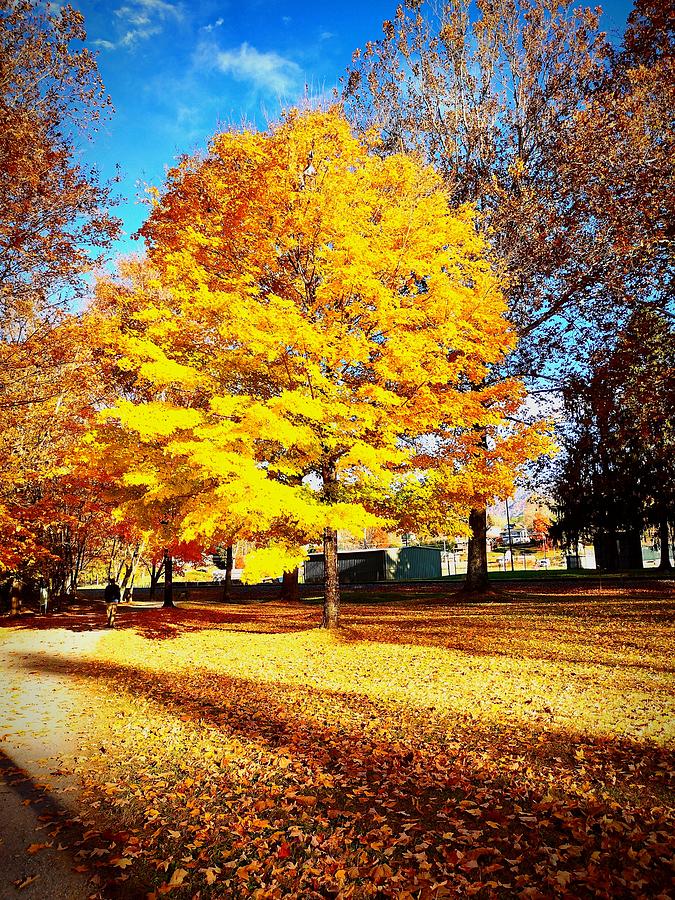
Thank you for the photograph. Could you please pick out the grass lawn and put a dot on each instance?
(432, 749)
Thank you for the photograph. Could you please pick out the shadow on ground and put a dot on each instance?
(629, 630)
(65, 832)
(340, 777)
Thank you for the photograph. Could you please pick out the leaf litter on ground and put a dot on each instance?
(428, 750)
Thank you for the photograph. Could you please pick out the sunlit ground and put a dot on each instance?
(509, 749)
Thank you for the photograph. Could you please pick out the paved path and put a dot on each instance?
(40, 727)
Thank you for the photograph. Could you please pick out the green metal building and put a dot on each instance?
(379, 564)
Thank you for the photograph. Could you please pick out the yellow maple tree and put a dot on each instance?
(306, 348)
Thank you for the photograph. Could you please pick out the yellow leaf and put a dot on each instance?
(178, 877)
(211, 874)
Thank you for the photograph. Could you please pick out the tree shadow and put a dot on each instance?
(66, 829)
(268, 618)
(447, 799)
(158, 623)
(84, 616)
(568, 632)
(43, 802)
(571, 631)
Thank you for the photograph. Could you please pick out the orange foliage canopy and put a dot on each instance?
(54, 216)
(309, 348)
(54, 221)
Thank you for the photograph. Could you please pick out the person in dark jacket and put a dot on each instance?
(111, 596)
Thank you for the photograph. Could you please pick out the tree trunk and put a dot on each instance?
(331, 591)
(113, 551)
(618, 551)
(664, 539)
(16, 597)
(125, 578)
(605, 547)
(127, 583)
(477, 567)
(155, 575)
(290, 591)
(168, 582)
(227, 584)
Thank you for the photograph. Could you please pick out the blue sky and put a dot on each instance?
(176, 71)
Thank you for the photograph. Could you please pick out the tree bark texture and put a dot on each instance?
(331, 595)
(168, 582)
(618, 551)
(664, 540)
(290, 591)
(16, 597)
(130, 570)
(227, 584)
(477, 568)
(155, 575)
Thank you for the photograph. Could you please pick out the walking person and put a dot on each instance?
(111, 596)
(43, 596)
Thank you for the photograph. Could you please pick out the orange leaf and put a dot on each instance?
(35, 848)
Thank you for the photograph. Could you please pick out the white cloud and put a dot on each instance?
(142, 10)
(326, 35)
(132, 16)
(103, 44)
(269, 71)
(144, 19)
(214, 25)
(187, 116)
(135, 35)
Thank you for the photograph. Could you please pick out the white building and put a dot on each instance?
(519, 535)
